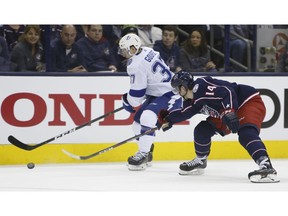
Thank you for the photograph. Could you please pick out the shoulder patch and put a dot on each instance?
(195, 88)
(129, 61)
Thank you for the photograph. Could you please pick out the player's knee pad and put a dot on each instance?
(148, 118)
(203, 130)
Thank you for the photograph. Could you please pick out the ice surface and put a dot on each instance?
(113, 185)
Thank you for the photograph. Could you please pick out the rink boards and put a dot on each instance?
(37, 108)
(52, 153)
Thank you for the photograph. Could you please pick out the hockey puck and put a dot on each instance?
(30, 165)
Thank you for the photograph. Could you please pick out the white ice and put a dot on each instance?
(161, 181)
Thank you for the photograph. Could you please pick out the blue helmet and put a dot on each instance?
(183, 78)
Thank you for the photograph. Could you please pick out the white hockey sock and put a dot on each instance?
(145, 143)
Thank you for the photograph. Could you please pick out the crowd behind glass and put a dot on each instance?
(94, 48)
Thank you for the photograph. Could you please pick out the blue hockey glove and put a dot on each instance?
(126, 104)
(232, 121)
(162, 122)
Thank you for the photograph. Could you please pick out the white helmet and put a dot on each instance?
(129, 40)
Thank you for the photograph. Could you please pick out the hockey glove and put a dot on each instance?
(126, 104)
(232, 121)
(162, 122)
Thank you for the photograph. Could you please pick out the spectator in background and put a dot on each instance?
(195, 55)
(55, 34)
(168, 48)
(238, 47)
(81, 31)
(4, 53)
(98, 55)
(218, 44)
(11, 33)
(149, 34)
(28, 52)
(5, 64)
(282, 65)
(112, 33)
(55, 31)
(66, 56)
(188, 28)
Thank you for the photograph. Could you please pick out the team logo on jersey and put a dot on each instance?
(74, 56)
(206, 110)
(38, 56)
(106, 51)
(195, 89)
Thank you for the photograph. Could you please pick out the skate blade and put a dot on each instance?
(192, 172)
(149, 164)
(270, 178)
(137, 167)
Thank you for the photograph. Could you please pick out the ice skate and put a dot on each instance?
(265, 174)
(141, 160)
(193, 167)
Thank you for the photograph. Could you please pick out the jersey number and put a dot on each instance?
(211, 89)
(159, 67)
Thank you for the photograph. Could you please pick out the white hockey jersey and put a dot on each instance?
(149, 75)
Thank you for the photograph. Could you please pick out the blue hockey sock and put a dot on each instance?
(250, 140)
(202, 138)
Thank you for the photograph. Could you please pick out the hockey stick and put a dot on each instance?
(27, 147)
(109, 148)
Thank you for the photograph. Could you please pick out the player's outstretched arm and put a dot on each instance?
(162, 121)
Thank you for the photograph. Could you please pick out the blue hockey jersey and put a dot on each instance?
(213, 97)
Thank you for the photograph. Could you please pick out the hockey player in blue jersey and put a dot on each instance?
(231, 107)
(150, 91)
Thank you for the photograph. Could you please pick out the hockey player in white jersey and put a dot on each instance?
(150, 91)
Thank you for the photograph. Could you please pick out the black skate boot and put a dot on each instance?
(265, 174)
(138, 161)
(141, 160)
(193, 167)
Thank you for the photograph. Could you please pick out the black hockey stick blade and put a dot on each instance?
(78, 157)
(22, 145)
(14, 141)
